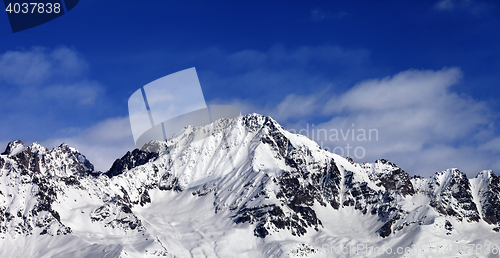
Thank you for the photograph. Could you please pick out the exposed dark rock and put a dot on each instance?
(130, 160)
(270, 217)
(397, 179)
(448, 226)
(117, 214)
(71, 180)
(455, 198)
(11, 146)
(386, 230)
(491, 201)
(145, 198)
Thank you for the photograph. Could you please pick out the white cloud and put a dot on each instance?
(67, 62)
(406, 89)
(46, 89)
(247, 57)
(419, 100)
(82, 92)
(421, 124)
(294, 106)
(38, 65)
(102, 143)
(491, 145)
(24, 68)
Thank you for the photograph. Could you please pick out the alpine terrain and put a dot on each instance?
(241, 187)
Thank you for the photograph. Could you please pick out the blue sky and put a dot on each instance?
(424, 74)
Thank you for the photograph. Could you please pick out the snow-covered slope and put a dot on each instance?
(249, 189)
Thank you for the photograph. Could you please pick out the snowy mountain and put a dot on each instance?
(249, 189)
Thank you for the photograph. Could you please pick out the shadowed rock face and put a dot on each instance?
(455, 196)
(283, 199)
(491, 201)
(129, 161)
(12, 146)
(392, 177)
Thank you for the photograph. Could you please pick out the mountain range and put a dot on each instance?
(242, 187)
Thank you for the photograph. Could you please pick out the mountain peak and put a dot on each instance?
(485, 174)
(14, 147)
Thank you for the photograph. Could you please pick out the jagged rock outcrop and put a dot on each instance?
(129, 161)
(451, 195)
(490, 197)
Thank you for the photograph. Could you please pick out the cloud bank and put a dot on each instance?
(420, 123)
(38, 65)
(45, 90)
